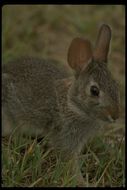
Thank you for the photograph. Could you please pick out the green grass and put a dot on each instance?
(29, 163)
(46, 31)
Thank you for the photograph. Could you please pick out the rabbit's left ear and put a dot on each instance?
(102, 44)
(79, 53)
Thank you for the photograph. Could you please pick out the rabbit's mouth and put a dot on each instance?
(109, 119)
(111, 113)
(106, 117)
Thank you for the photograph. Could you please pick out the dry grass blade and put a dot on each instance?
(96, 185)
(36, 182)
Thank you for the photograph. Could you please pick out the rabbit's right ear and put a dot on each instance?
(102, 44)
(79, 53)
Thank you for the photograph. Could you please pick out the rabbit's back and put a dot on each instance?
(28, 93)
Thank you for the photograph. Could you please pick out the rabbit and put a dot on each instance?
(41, 97)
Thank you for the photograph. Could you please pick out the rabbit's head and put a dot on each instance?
(94, 91)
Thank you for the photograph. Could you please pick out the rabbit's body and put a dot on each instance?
(41, 97)
(29, 95)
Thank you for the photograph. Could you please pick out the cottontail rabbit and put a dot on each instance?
(41, 97)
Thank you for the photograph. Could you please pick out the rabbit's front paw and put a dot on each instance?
(80, 182)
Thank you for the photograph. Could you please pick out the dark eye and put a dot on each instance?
(94, 91)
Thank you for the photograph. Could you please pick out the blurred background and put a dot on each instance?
(47, 30)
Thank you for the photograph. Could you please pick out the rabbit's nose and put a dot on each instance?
(115, 112)
(115, 116)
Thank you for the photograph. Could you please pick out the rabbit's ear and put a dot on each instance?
(102, 44)
(80, 51)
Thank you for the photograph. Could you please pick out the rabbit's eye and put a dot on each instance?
(94, 91)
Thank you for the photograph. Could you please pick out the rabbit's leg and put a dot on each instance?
(6, 119)
(76, 169)
(6, 124)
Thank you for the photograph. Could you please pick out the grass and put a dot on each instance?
(46, 31)
(29, 163)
